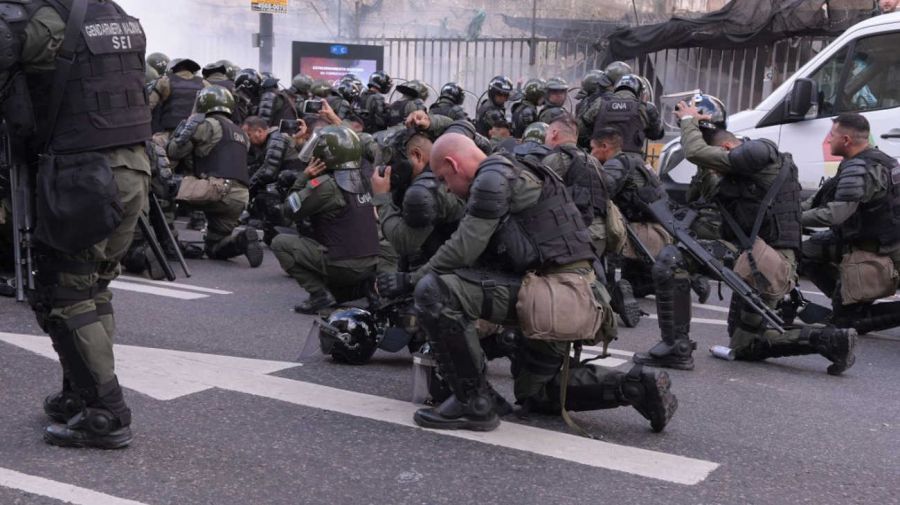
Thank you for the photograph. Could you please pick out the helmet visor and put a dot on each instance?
(306, 154)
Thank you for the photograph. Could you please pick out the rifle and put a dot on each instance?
(158, 219)
(639, 246)
(22, 214)
(150, 237)
(679, 230)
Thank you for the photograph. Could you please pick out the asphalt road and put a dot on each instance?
(266, 432)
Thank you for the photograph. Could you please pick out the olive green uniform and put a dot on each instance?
(223, 216)
(305, 259)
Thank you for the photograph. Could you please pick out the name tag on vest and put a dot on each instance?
(114, 35)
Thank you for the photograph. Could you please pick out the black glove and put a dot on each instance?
(394, 285)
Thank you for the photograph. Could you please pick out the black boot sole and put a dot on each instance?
(676, 364)
(118, 439)
(462, 423)
(839, 366)
(629, 306)
(254, 252)
(659, 403)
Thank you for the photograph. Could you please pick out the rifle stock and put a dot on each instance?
(660, 210)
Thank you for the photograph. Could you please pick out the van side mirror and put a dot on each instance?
(801, 98)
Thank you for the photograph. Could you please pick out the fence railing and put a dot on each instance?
(741, 78)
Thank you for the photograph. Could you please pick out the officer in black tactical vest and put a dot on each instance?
(370, 105)
(341, 253)
(595, 86)
(173, 96)
(759, 197)
(75, 98)
(414, 93)
(301, 89)
(247, 84)
(498, 93)
(216, 73)
(555, 100)
(637, 120)
(477, 274)
(861, 206)
(450, 102)
(525, 112)
(275, 104)
(219, 148)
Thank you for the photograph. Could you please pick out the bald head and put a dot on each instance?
(454, 160)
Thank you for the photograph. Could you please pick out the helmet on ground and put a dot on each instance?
(381, 81)
(215, 99)
(350, 336)
(453, 92)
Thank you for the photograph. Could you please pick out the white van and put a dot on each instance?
(858, 72)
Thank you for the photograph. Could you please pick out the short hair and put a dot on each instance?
(256, 122)
(611, 135)
(856, 123)
(566, 123)
(719, 137)
(420, 141)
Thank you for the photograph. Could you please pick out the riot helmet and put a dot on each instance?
(631, 83)
(616, 70)
(500, 86)
(453, 92)
(179, 64)
(215, 99)
(381, 81)
(159, 62)
(534, 90)
(350, 336)
(535, 132)
(712, 106)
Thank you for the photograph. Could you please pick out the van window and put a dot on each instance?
(869, 83)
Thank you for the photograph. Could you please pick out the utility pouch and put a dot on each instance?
(776, 271)
(652, 235)
(866, 277)
(76, 201)
(560, 307)
(194, 190)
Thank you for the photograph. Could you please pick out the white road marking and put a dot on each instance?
(714, 308)
(158, 291)
(717, 322)
(200, 289)
(58, 490)
(166, 374)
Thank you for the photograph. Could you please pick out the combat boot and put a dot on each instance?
(102, 424)
(876, 317)
(475, 412)
(649, 393)
(197, 221)
(835, 344)
(700, 286)
(677, 355)
(252, 249)
(63, 405)
(317, 301)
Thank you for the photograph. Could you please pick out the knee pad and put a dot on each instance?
(430, 295)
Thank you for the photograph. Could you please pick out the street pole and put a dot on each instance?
(532, 58)
(266, 42)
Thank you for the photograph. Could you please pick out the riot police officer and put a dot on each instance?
(247, 87)
(275, 104)
(158, 62)
(301, 89)
(595, 87)
(477, 274)
(96, 141)
(370, 105)
(861, 208)
(525, 112)
(555, 101)
(219, 148)
(449, 102)
(637, 120)
(341, 251)
(498, 93)
(173, 95)
(217, 73)
(414, 93)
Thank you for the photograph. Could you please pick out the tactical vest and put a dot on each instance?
(181, 100)
(877, 220)
(549, 233)
(742, 195)
(523, 114)
(441, 231)
(274, 112)
(481, 124)
(586, 184)
(104, 103)
(637, 175)
(399, 110)
(445, 107)
(624, 114)
(551, 112)
(353, 233)
(228, 159)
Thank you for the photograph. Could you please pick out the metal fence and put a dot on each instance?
(740, 77)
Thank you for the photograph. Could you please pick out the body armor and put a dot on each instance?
(353, 233)
(274, 110)
(588, 189)
(399, 110)
(412, 216)
(877, 220)
(445, 107)
(103, 102)
(481, 124)
(370, 107)
(523, 114)
(547, 234)
(624, 114)
(741, 196)
(228, 159)
(181, 100)
(633, 175)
